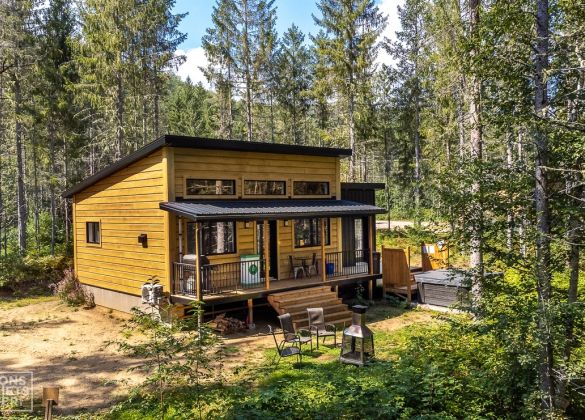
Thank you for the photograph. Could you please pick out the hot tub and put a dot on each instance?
(441, 287)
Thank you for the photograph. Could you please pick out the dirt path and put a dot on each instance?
(66, 347)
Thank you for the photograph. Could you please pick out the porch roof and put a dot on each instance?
(267, 209)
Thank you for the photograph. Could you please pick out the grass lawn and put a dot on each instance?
(420, 370)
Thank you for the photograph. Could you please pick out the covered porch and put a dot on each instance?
(241, 249)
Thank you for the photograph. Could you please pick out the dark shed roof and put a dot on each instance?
(209, 144)
(271, 209)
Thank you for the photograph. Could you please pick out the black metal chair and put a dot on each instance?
(313, 266)
(318, 326)
(295, 269)
(293, 349)
(300, 336)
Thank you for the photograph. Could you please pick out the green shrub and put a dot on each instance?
(70, 291)
(31, 274)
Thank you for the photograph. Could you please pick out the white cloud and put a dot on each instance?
(390, 9)
(195, 58)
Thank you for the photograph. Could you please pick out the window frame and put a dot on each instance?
(283, 181)
(327, 194)
(318, 245)
(202, 244)
(97, 223)
(187, 178)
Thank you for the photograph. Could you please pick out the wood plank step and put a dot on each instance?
(326, 309)
(329, 317)
(279, 297)
(323, 304)
(308, 290)
(308, 300)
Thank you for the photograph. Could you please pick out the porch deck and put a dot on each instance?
(275, 286)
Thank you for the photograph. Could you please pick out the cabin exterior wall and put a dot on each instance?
(126, 205)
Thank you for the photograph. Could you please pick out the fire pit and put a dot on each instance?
(357, 346)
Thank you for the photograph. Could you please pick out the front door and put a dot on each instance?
(354, 239)
(272, 246)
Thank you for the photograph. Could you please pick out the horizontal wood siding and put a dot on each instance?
(208, 164)
(286, 246)
(126, 204)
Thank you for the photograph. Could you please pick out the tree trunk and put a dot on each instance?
(352, 143)
(119, 116)
(476, 147)
(543, 229)
(52, 184)
(417, 157)
(20, 187)
(510, 215)
(247, 72)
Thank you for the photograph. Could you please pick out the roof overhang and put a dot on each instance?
(363, 185)
(267, 209)
(207, 144)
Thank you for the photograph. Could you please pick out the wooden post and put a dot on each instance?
(250, 312)
(266, 256)
(197, 261)
(371, 244)
(323, 262)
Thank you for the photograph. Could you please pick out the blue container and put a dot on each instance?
(329, 268)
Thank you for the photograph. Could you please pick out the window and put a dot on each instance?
(308, 232)
(311, 188)
(216, 238)
(210, 186)
(92, 232)
(264, 187)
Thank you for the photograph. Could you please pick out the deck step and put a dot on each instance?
(325, 304)
(327, 309)
(296, 303)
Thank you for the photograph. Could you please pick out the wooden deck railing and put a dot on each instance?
(219, 278)
(347, 263)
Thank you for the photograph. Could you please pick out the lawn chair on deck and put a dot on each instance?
(319, 327)
(295, 269)
(286, 351)
(313, 267)
(300, 336)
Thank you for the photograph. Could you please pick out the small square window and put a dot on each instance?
(92, 232)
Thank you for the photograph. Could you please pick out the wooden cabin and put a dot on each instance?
(220, 220)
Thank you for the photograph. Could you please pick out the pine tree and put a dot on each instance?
(294, 81)
(408, 50)
(351, 29)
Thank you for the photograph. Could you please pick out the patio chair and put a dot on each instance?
(284, 350)
(295, 269)
(300, 336)
(313, 267)
(319, 327)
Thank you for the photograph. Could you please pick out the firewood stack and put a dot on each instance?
(226, 325)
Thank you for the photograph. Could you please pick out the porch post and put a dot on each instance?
(197, 261)
(180, 222)
(266, 255)
(323, 262)
(371, 257)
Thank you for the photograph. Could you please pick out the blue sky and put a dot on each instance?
(288, 12)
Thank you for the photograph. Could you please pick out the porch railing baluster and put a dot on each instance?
(219, 278)
(347, 263)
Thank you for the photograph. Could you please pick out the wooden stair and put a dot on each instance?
(296, 303)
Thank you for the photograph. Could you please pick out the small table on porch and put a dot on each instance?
(303, 260)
